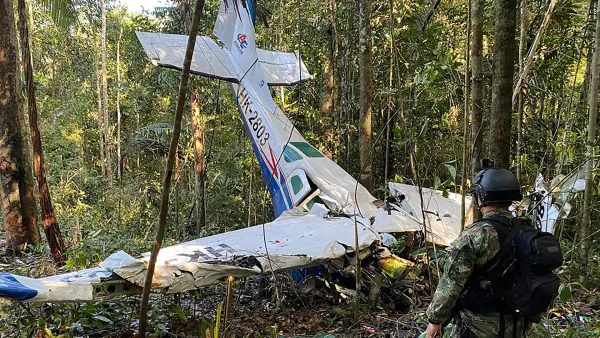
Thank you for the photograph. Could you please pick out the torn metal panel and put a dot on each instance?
(442, 223)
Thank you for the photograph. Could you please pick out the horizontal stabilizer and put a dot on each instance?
(210, 60)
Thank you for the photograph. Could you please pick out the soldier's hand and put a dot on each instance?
(434, 331)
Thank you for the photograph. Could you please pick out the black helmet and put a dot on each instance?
(495, 185)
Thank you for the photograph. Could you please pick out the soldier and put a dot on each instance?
(476, 312)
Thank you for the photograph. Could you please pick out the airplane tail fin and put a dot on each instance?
(235, 29)
(229, 12)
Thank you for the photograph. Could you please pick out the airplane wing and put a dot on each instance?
(296, 239)
(442, 224)
(210, 60)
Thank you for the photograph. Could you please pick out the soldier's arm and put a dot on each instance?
(470, 246)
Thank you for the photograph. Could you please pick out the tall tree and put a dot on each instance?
(51, 228)
(366, 94)
(106, 135)
(521, 98)
(465, 157)
(199, 162)
(100, 116)
(477, 8)
(329, 98)
(166, 188)
(586, 239)
(502, 82)
(20, 217)
(118, 99)
(390, 121)
(198, 138)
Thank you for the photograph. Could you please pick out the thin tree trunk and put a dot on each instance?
(51, 228)
(521, 98)
(586, 239)
(366, 94)
(198, 135)
(533, 50)
(100, 121)
(388, 154)
(463, 180)
(330, 93)
(20, 217)
(477, 83)
(502, 85)
(164, 208)
(105, 99)
(120, 173)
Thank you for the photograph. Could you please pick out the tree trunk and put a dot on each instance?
(120, 173)
(100, 120)
(477, 8)
(329, 99)
(366, 95)
(521, 98)
(51, 228)
(199, 180)
(20, 216)
(586, 239)
(164, 207)
(533, 49)
(105, 99)
(465, 158)
(502, 85)
(390, 121)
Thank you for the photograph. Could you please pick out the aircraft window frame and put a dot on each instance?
(307, 150)
(296, 182)
(291, 155)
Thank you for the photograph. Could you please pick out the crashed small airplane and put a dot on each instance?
(317, 204)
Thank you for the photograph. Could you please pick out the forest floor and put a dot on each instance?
(286, 310)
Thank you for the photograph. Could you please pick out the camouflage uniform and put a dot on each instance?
(474, 247)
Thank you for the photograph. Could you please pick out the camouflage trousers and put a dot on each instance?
(470, 324)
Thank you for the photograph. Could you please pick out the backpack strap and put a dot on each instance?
(514, 225)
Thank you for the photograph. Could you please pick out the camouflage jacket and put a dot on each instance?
(474, 247)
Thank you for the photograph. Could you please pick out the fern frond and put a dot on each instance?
(62, 12)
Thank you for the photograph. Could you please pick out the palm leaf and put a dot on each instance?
(62, 12)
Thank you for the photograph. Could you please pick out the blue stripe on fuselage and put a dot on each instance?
(280, 196)
(11, 288)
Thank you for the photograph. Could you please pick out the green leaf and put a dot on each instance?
(218, 323)
(565, 293)
(451, 167)
(424, 128)
(48, 333)
(179, 312)
(103, 319)
(437, 182)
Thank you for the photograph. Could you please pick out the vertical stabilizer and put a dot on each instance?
(235, 29)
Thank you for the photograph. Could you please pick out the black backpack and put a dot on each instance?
(519, 280)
